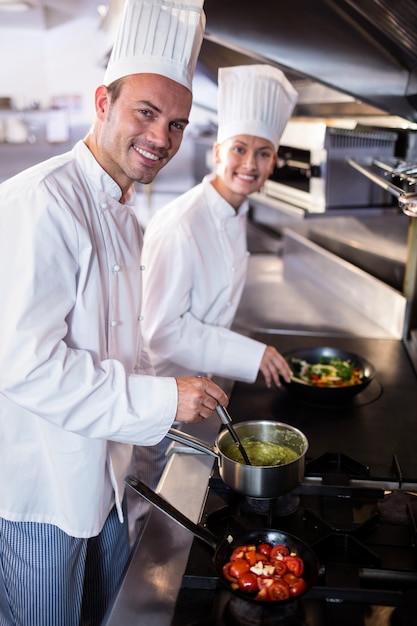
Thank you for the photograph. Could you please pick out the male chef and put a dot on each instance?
(76, 391)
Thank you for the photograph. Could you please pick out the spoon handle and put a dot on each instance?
(223, 414)
(227, 421)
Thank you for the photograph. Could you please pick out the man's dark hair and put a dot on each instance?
(115, 88)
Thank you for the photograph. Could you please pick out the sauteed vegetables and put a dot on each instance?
(269, 573)
(328, 372)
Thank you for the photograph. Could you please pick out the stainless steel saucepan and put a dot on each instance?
(266, 481)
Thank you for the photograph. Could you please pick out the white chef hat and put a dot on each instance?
(158, 37)
(254, 100)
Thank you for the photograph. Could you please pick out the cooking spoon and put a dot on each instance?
(227, 421)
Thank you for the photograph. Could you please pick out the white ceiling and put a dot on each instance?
(46, 14)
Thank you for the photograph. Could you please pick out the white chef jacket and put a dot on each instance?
(195, 258)
(71, 399)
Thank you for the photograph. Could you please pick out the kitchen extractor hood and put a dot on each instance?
(365, 49)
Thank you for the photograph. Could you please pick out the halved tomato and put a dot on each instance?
(238, 553)
(279, 590)
(262, 594)
(294, 564)
(298, 587)
(254, 557)
(290, 578)
(227, 574)
(264, 582)
(265, 548)
(280, 567)
(248, 582)
(279, 550)
(239, 567)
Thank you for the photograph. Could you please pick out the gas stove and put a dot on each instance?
(363, 536)
(356, 506)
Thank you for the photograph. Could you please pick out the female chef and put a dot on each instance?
(195, 252)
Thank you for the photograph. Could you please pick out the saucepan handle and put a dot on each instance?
(192, 442)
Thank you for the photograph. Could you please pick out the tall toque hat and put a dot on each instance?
(254, 100)
(158, 37)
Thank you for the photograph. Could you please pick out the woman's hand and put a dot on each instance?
(273, 365)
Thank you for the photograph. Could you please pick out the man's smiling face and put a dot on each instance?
(141, 130)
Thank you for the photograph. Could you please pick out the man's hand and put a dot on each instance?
(272, 365)
(197, 398)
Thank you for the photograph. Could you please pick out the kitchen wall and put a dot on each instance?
(37, 65)
(68, 60)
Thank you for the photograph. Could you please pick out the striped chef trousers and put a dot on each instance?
(48, 578)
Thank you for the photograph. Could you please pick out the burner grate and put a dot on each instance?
(240, 612)
(367, 554)
(336, 463)
(342, 549)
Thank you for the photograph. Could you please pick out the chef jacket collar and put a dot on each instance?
(95, 173)
(219, 205)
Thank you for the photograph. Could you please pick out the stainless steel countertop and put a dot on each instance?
(312, 291)
(153, 578)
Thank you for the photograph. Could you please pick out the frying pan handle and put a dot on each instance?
(193, 442)
(163, 505)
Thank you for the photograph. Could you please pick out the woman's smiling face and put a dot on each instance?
(243, 162)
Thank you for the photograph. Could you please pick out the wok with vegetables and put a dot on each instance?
(326, 375)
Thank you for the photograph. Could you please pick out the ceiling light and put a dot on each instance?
(102, 10)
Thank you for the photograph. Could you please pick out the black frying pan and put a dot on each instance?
(223, 548)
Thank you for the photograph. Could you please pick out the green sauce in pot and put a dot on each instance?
(262, 453)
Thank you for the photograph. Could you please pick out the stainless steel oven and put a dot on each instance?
(312, 172)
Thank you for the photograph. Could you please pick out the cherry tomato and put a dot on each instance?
(279, 550)
(294, 564)
(238, 567)
(264, 582)
(238, 553)
(227, 574)
(265, 548)
(280, 567)
(290, 578)
(254, 557)
(279, 590)
(248, 582)
(262, 594)
(298, 587)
